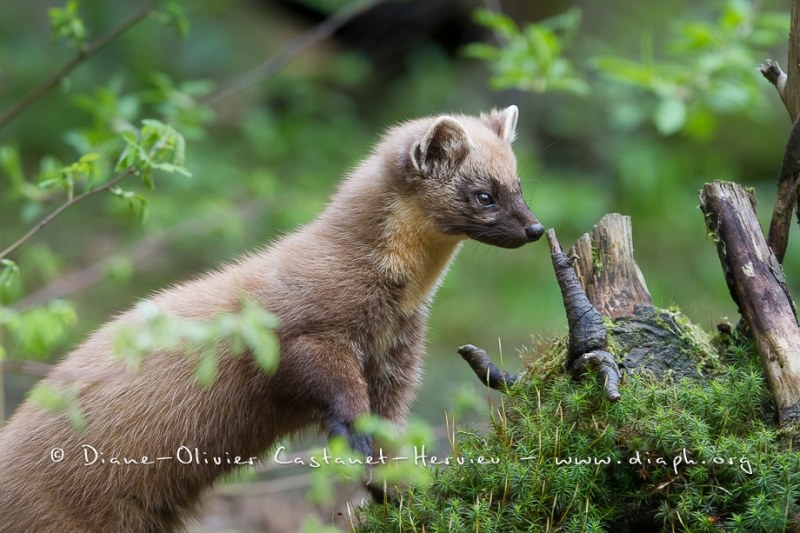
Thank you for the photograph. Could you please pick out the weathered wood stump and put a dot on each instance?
(607, 270)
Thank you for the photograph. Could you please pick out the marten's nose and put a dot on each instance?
(534, 232)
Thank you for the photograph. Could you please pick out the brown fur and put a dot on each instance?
(352, 291)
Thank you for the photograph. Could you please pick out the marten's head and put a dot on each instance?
(465, 169)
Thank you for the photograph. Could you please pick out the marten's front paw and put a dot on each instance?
(383, 495)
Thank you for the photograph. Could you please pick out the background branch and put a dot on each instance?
(83, 54)
(294, 48)
(144, 253)
(788, 87)
(63, 207)
(781, 222)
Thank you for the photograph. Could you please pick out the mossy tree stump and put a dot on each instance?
(646, 339)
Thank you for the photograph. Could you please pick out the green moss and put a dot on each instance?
(597, 262)
(689, 455)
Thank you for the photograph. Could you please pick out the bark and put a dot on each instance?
(793, 83)
(607, 270)
(756, 281)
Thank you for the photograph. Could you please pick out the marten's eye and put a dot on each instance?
(485, 199)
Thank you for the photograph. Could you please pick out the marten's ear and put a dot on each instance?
(503, 123)
(509, 129)
(442, 149)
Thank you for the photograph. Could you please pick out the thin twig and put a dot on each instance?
(83, 54)
(294, 48)
(66, 205)
(25, 366)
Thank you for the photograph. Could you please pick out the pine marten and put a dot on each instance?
(352, 291)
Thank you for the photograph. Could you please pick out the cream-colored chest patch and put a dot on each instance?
(415, 254)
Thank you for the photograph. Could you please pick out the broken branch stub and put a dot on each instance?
(755, 279)
(587, 332)
(487, 372)
(607, 270)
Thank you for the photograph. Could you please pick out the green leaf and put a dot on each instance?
(127, 158)
(544, 45)
(736, 13)
(266, 349)
(76, 418)
(153, 123)
(136, 202)
(625, 70)
(47, 397)
(499, 23)
(205, 371)
(11, 164)
(147, 179)
(58, 401)
(129, 137)
(697, 36)
(670, 116)
(482, 51)
(88, 158)
(66, 24)
(9, 272)
(173, 15)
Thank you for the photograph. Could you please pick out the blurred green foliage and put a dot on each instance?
(67, 24)
(530, 59)
(707, 69)
(251, 327)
